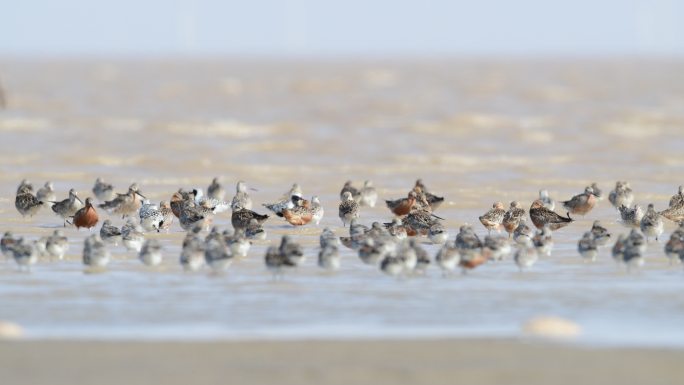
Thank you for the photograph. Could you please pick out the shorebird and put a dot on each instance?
(299, 215)
(402, 206)
(652, 223)
(631, 217)
(600, 233)
(419, 222)
(286, 201)
(522, 233)
(132, 236)
(597, 191)
(57, 245)
(525, 255)
(68, 207)
(437, 234)
(546, 200)
(637, 239)
(151, 218)
(125, 204)
(95, 252)
(241, 218)
(675, 246)
(447, 259)
(276, 262)
(46, 194)
(468, 244)
(371, 251)
(355, 193)
(543, 241)
(677, 200)
(396, 229)
(241, 198)
(493, 218)
(622, 195)
(512, 218)
(349, 209)
(328, 238)
(291, 250)
(433, 200)
(110, 233)
(216, 206)
(151, 253)
(86, 216)
(103, 191)
(254, 230)
(619, 248)
(675, 213)
(587, 247)
(192, 253)
(407, 254)
(237, 242)
(25, 202)
(329, 258)
(215, 190)
(217, 255)
(317, 209)
(167, 215)
(541, 216)
(582, 203)
(6, 244)
(369, 196)
(496, 248)
(392, 266)
(25, 254)
(179, 199)
(192, 215)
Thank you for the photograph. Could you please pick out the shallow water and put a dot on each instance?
(476, 131)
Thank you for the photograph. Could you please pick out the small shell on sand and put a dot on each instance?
(551, 327)
(10, 331)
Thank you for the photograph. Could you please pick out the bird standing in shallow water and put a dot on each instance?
(433, 200)
(652, 223)
(299, 215)
(512, 218)
(600, 233)
(25, 254)
(132, 236)
(587, 247)
(317, 209)
(541, 216)
(348, 209)
(151, 253)
(622, 195)
(582, 203)
(67, 208)
(95, 252)
(110, 233)
(241, 218)
(57, 245)
(125, 204)
(241, 198)
(286, 201)
(631, 217)
(493, 218)
(151, 219)
(86, 216)
(25, 202)
(402, 206)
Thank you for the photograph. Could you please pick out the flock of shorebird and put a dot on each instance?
(393, 246)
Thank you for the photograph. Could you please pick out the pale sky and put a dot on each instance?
(342, 27)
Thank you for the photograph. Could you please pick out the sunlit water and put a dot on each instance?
(475, 131)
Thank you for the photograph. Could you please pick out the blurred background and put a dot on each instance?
(340, 28)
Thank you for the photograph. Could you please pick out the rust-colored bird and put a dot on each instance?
(300, 214)
(86, 216)
(402, 206)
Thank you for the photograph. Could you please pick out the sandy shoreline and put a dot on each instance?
(333, 362)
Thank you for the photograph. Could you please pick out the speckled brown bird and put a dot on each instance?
(299, 215)
(512, 218)
(493, 218)
(541, 216)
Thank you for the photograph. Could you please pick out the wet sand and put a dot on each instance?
(333, 362)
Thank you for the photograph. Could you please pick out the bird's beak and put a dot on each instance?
(253, 189)
(79, 199)
(143, 197)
